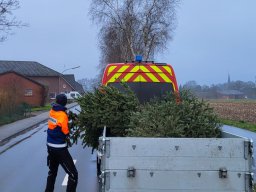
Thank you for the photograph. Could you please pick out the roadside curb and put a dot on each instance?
(31, 127)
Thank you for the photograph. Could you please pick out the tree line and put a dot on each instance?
(248, 89)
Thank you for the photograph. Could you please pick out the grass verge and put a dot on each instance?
(231, 100)
(44, 108)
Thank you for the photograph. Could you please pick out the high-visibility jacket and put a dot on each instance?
(57, 127)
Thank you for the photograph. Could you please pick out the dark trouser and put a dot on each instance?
(62, 157)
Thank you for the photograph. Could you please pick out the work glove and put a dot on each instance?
(72, 115)
(69, 143)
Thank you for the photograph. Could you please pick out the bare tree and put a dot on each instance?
(130, 27)
(10, 97)
(89, 84)
(7, 20)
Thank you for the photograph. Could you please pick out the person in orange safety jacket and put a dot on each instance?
(58, 154)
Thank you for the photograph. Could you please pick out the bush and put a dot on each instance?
(168, 118)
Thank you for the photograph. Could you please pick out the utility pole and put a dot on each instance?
(70, 69)
(61, 74)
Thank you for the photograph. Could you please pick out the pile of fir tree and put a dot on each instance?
(105, 106)
(122, 114)
(165, 117)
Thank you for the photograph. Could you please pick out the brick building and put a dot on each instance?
(54, 81)
(20, 89)
(70, 79)
(230, 94)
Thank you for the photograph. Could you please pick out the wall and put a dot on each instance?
(54, 85)
(16, 86)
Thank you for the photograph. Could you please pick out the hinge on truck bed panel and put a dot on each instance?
(107, 148)
(249, 182)
(105, 176)
(248, 149)
(131, 172)
(105, 181)
(104, 144)
(104, 148)
(223, 173)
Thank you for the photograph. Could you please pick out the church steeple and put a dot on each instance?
(228, 86)
(228, 79)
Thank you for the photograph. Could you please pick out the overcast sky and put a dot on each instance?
(213, 38)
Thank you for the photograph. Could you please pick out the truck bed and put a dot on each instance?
(132, 164)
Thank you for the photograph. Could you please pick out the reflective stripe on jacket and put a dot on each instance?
(57, 127)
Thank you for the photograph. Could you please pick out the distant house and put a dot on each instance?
(21, 89)
(53, 80)
(230, 94)
(70, 79)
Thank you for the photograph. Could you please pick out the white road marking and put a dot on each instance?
(65, 181)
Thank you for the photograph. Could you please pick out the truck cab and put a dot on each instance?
(146, 79)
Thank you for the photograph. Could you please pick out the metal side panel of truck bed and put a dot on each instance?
(130, 164)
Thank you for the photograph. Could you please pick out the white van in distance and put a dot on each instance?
(73, 95)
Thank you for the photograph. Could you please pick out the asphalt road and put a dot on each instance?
(23, 167)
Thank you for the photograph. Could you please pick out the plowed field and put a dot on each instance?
(236, 111)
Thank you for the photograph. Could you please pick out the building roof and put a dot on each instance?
(231, 92)
(25, 77)
(27, 68)
(70, 79)
(79, 88)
